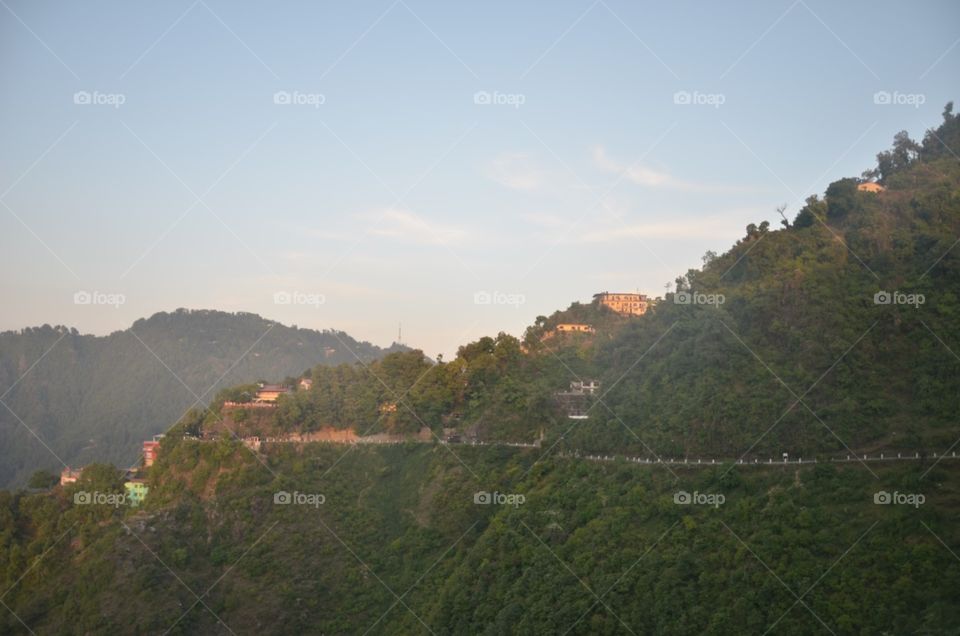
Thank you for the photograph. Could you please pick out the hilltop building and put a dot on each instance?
(569, 328)
(574, 327)
(70, 476)
(270, 392)
(306, 383)
(870, 186)
(150, 450)
(624, 303)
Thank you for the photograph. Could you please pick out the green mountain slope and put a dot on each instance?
(593, 548)
(782, 344)
(801, 356)
(96, 398)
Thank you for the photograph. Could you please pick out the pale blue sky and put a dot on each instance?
(400, 197)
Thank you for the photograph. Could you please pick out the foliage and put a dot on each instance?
(402, 521)
(799, 356)
(95, 398)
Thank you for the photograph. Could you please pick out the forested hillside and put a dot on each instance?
(95, 398)
(399, 545)
(838, 331)
(782, 344)
(835, 334)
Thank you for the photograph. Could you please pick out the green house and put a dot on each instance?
(137, 490)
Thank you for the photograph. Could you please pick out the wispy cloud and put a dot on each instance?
(405, 225)
(546, 221)
(648, 177)
(636, 173)
(699, 228)
(518, 171)
(325, 234)
(611, 229)
(331, 287)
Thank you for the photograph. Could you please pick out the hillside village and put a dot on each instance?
(255, 410)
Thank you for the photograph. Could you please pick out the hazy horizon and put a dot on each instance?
(383, 164)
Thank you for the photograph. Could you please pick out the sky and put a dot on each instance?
(457, 168)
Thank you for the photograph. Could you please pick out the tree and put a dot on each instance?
(945, 140)
(809, 213)
(43, 479)
(842, 198)
(780, 210)
(898, 158)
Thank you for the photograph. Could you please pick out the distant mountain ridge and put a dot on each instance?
(92, 397)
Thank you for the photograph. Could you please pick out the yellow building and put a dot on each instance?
(569, 328)
(69, 475)
(624, 303)
(574, 327)
(870, 186)
(270, 392)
